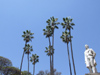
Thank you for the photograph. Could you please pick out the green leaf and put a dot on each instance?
(62, 23)
(27, 31)
(23, 35)
(63, 19)
(32, 37)
(56, 27)
(71, 20)
(49, 26)
(46, 48)
(66, 18)
(24, 32)
(72, 27)
(37, 56)
(61, 36)
(63, 26)
(71, 36)
(48, 20)
(31, 33)
(46, 27)
(72, 24)
(46, 51)
(43, 29)
(31, 49)
(31, 60)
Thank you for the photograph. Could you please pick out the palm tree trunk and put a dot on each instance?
(72, 54)
(69, 59)
(72, 58)
(28, 63)
(50, 65)
(53, 54)
(21, 62)
(50, 57)
(33, 69)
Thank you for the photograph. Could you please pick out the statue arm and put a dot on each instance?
(85, 57)
(94, 54)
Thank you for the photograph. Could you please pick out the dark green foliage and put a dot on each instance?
(11, 71)
(4, 62)
(48, 49)
(28, 49)
(67, 23)
(34, 59)
(25, 73)
(27, 36)
(52, 24)
(48, 73)
(66, 37)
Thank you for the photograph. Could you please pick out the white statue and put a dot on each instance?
(90, 59)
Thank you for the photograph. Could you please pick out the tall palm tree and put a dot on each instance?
(34, 59)
(27, 50)
(28, 36)
(66, 38)
(49, 32)
(68, 25)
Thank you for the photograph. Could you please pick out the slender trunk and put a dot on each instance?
(53, 54)
(22, 60)
(69, 59)
(33, 69)
(72, 54)
(28, 63)
(50, 56)
(72, 58)
(50, 65)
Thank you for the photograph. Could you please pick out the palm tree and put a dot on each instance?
(27, 37)
(49, 32)
(27, 50)
(66, 38)
(34, 59)
(68, 26)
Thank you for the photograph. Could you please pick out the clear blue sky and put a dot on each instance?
(17, 16)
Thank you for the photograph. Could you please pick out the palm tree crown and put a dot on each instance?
(67, 23)
(27, 35)
(52, 22)
(28, 49)
(66, 37)
(48, 49)
(34, 59)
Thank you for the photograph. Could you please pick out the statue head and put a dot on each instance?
(86, 46)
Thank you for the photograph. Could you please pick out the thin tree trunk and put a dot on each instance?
(72, 58)
(28, 64)
(33, 69)
(50, 57)
(72, 54)
(50, 65)
(53, 54)
(69, 59)
(22, 60)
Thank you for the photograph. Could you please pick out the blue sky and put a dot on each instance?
(17, 16)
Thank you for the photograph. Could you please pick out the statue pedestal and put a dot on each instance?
(93, 74)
